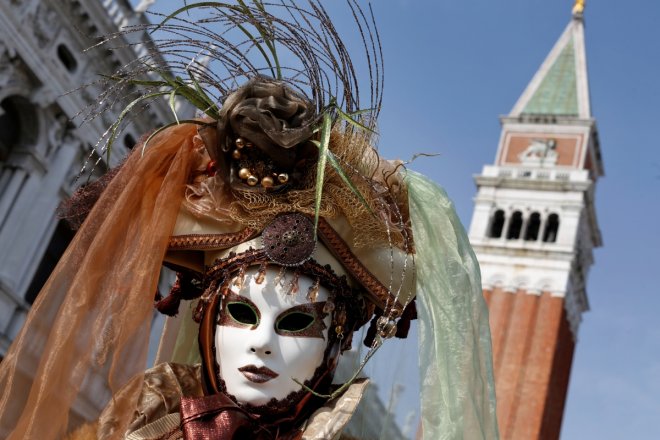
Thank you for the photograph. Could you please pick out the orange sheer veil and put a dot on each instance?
(88, 330)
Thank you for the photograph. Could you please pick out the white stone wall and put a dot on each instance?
(41, 61)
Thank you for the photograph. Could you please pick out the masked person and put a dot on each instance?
(288, 232)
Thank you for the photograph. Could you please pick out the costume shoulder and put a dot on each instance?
(157, 414)
(328, 421)
(158, 407)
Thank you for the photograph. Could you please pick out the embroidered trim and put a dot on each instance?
(210, 241)
(342, 252)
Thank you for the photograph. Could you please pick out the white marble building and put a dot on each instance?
(42, 144)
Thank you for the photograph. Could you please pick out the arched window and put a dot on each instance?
(515, 226)
(533, 226)
(551, 228)
(18, 124)
(129, 141)
(496, 224)
(66, 58)
(9, 129)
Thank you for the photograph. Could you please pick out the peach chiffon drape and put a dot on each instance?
(87, 333)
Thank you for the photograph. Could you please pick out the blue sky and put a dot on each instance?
(451, 68)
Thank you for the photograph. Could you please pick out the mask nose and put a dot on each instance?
(262, 341)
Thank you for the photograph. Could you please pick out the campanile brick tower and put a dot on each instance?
(534, 228)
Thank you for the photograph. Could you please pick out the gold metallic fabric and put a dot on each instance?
(157, 415)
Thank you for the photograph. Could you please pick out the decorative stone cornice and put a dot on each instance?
(548, 119)
(533, 184)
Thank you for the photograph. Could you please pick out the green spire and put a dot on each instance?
(560, 87)
(557, 93)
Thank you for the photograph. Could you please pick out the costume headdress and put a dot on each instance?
(282, 173)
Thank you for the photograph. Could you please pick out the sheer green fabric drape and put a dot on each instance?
(456, 374)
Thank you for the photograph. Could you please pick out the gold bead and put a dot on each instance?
(243, 173)
(252, 180)
(249, 145)
(283, 177)
(240, 143)
(328, 307)
(267, 182)
(236, 154)
(388, 330)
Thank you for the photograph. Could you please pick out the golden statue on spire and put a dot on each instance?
(578, 8)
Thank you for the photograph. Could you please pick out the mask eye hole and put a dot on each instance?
(243, 313)
(295, 322)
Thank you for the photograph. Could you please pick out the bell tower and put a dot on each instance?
(534, 229)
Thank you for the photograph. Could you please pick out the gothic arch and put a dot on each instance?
(551, 228)
(544, 285)
(494, 281)
(496, 225)
(520, 283)
(515, 226)
(533, 227)
(19, 125)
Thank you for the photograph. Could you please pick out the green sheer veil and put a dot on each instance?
(456, 373)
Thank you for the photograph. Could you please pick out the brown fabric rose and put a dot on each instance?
(269, 114)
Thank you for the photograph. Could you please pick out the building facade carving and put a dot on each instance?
(41, 148)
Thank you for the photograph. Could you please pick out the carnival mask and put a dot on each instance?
(267, 336)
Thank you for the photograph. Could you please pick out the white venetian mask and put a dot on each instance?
(266, 337)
